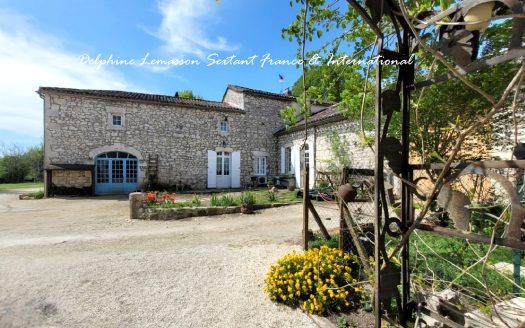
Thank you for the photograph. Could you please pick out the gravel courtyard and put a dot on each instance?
(81, 262)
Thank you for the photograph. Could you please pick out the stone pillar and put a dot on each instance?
(137, 202)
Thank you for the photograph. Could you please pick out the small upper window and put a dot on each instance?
(225, 127)
(117, 120)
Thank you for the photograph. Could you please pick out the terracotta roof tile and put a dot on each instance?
(137, 96)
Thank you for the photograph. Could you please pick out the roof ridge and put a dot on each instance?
(141, 96)
(240, 88)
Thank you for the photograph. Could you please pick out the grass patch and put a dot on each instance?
(281, 197)
(22, 185)
(439, 252)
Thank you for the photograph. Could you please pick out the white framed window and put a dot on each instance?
(260, 165)
(223, 163)
(288, 160)
(224, 127)
(116, 120)
(306, 155)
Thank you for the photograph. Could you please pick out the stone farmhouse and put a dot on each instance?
(112, 142)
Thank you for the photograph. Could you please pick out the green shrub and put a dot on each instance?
(173, 205)
(223, 200)
(319, 241)
(214, 201)
(37, 194)
(247, 198)
(324, 186)
(484, 218)
(272, 196)
(196, 200)
(227, 200)
(320, 281)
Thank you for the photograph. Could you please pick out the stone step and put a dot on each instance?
(508, 268)
(512, 312)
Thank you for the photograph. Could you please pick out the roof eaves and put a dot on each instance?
(260, 93)
(147, 98)
(300, 126)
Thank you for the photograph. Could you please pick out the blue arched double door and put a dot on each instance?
(116, 173)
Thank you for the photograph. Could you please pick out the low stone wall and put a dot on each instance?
(139, 210)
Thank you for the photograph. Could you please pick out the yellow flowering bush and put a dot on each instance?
(320, 281)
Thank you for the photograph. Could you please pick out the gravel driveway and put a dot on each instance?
(81, 262)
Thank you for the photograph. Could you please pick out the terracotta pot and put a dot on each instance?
(247, 209)
(347, 193)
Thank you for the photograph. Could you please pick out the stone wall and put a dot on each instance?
(503, 130)
(360, 156)
(77, 129)
(71, 178)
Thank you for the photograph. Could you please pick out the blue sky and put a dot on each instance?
(43, 41)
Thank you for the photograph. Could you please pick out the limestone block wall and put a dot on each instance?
(260, 123)
(360, 156)
(77, 129)
(503, 131)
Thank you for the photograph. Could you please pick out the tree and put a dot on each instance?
(34, 157)
(13, 166)
(187, 94)
(18, 164)
(440, 112)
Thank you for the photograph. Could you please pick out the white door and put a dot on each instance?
(223, 169)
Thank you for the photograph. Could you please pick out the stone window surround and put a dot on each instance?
(255, 156)
(116, 112)
(220, 125)
(116, 147)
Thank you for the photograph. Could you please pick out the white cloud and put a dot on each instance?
(182, 28)
(29, 59)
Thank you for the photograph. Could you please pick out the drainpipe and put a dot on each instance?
(46, 174)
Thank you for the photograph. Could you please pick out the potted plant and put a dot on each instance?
(288, 182)
(247, 200)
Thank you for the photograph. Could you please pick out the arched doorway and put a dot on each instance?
(116, 172)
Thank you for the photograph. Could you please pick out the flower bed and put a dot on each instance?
(149, 206)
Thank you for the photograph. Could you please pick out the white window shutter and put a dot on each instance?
(311, 164)
(283, 160)
(212, 169)
(236, 169)
(296, 160)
